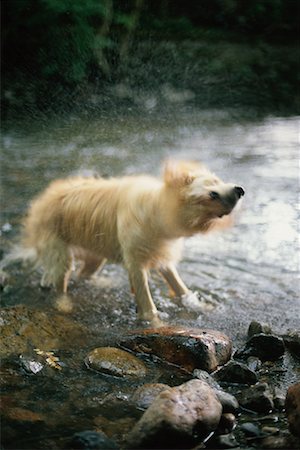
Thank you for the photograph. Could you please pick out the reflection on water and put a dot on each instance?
(248, 270)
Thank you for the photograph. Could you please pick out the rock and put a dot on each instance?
(280, 442)
(250, 429)
(228, 401)
(30, 365)
(254, 363)
(143, 397)
(258, 328)
(227, 423)
(292, 406)
(292, 342)
(116, 362)
(222, 441)
(266, 347)
(236, 372)
(184, 347)
(270, 430)
(258, 398)
(204, 376)
(279, 399)
(178, 418)
(91, 440)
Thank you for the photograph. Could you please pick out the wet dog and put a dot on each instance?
(138, 221)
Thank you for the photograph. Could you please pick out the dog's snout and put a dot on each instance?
(239, 191)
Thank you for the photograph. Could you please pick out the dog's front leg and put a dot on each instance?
(173, 279)
(146, 308)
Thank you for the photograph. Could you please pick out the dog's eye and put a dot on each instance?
(214, 195)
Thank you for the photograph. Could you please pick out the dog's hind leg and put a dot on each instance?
(91, 264)
(56, 260)
(173, 279)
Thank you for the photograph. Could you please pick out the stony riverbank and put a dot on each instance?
(169, 387)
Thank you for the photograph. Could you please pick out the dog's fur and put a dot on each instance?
(135, 220)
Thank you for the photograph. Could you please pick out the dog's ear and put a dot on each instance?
(180, 173)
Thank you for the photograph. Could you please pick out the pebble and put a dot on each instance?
(257, 398)
(144, 396)
(292, 342)
(250, 429)
(236, 372)
(280, 442)
(116, 362)
(222, 441)
(266, 347)
(185, 347)
(30, 365)
(228, 401)
(91, 440)
(205, 376)
(258, 328)
(179, 417)
(254, 363)
(227, 423)
(279, 399)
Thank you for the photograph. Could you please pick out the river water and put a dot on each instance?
(248, 272)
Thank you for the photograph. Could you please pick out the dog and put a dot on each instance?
(139, 221)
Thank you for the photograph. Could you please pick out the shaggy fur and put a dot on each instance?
(136, 220)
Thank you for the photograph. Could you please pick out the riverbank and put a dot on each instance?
(204, 73)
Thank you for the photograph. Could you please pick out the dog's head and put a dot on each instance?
(203, 198)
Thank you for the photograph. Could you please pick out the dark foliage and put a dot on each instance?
(50, 47)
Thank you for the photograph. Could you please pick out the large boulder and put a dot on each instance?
(178, 418)
(184, 347)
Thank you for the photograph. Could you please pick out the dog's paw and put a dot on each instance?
(192, 302)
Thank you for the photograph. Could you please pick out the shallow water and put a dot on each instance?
(248, 272)
(253, 265)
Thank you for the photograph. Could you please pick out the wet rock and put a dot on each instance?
(205, 376)
(187, 348)
(228, 401)
(178, 418)
(258, 398)
(30, 365)
(258, 328)
(250, 429)
(292, 342)
(266, 347)
(279, 399)
(280, 442)
(227, 423)
(236, 372)
(144, 396)
(222, 441)
(292, 406)
(23, 328)
(116, 362)
(254, 363)
(270, 430)
(91, 440)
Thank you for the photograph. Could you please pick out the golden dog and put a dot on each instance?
(135, 220)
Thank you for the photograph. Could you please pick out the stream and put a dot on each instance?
(248, 272)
